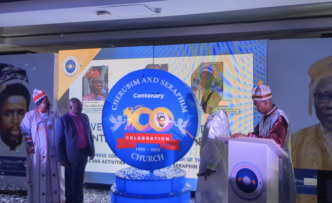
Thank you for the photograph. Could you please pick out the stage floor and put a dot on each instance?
(90, 196)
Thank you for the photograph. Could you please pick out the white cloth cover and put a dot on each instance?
(45, 175)
(214, 155)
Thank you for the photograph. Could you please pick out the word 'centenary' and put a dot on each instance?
(149, 96)
(153, 80)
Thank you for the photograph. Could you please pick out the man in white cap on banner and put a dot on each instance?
(274, 124)
(212, 184)
(312, 146)
(45, 174)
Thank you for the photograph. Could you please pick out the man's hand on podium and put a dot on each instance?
(206, 173)
(237, 135)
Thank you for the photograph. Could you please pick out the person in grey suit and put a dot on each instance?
(74, 144)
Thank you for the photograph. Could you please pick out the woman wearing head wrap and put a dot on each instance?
(212, 185)
(45, 175)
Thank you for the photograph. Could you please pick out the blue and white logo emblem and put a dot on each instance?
(247, 181)
(148, 118)
(70, 66)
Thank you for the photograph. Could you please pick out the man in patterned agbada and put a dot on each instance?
(274, 124)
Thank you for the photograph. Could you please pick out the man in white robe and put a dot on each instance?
(44, 173)
(212, 185)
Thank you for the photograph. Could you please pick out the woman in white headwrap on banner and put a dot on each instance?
(44, 173)
(212, 185)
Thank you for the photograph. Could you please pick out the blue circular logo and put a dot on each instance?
(70, 66)
(149, 117)
(247, 181)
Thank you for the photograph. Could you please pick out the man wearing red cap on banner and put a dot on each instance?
(95, 84)
(45, 174)
(274, 124)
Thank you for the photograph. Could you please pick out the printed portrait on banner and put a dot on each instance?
(95, 84)
(312, 146)
(207, 76)
(14, 103)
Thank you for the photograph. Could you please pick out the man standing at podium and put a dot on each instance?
(212, 185)
(274, 125)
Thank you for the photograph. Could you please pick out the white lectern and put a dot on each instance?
(253, 169)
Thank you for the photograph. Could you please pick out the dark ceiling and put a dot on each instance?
(19, 37)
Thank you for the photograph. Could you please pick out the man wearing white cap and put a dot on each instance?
(212, 184)
(45, 175)
(274, 124)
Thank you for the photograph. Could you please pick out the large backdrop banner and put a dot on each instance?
(299, 73)
(19, 76)
(230, 68)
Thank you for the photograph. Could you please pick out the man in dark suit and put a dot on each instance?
(74, 143)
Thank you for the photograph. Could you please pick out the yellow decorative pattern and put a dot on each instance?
(83, 56)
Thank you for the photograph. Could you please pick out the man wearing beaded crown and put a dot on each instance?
(44, 173)
(212, 177)
(274, 124)
(312, 146)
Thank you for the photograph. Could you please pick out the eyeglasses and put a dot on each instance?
(323, 98)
